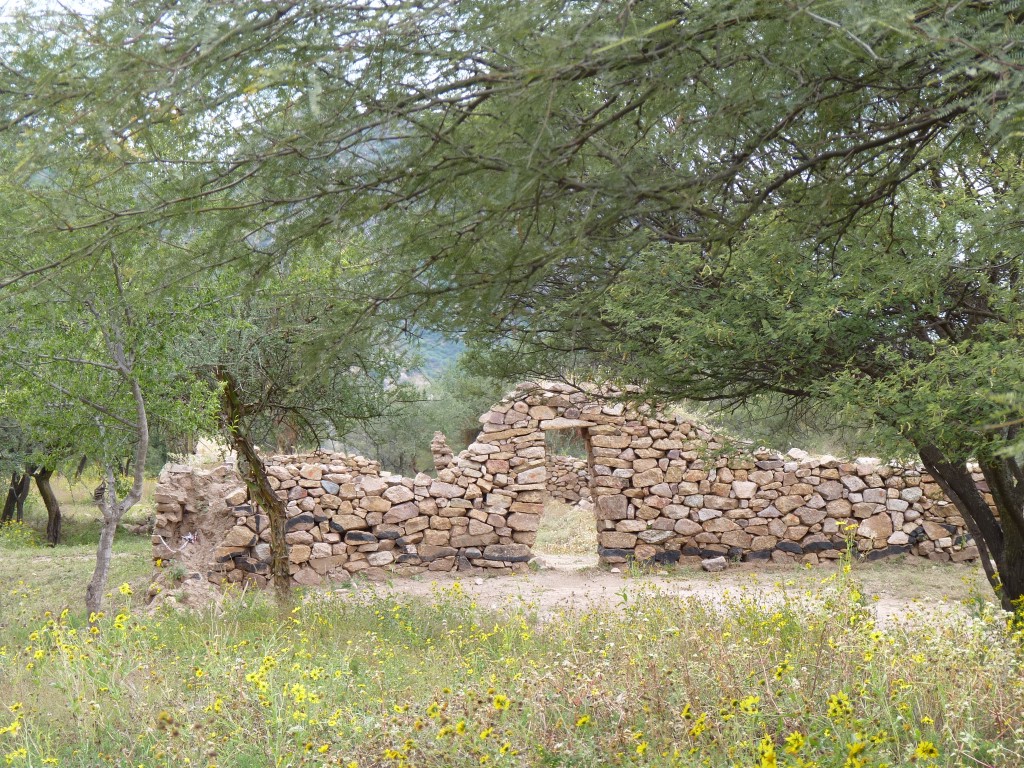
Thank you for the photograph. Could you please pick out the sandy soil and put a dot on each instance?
(573, 582)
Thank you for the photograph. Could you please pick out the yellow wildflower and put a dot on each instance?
(925, 750)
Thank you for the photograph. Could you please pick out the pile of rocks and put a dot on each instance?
(662, 489)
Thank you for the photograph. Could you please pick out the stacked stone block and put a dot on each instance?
(663, 489)
(568, 479)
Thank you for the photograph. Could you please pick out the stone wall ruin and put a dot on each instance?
(663, 489)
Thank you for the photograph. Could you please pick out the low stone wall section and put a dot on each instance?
(568, 479)
(663, 489)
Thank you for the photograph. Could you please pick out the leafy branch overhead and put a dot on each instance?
(715, 200)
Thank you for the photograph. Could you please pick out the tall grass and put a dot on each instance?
(353, 678)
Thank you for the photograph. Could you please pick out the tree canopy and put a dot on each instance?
(712, 200)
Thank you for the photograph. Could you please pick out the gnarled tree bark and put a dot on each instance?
(233, 414)
(1000, 538)
(53, 514)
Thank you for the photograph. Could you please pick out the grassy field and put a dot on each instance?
(360, 678)
(566, 530)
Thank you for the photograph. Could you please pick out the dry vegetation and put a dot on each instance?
(358, 677)
(566, 530)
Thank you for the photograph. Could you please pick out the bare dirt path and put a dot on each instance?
(574, 582)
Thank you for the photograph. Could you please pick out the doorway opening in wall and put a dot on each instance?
(567, 527)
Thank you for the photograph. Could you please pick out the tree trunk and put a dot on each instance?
(53, 516)
(11, 501)
(104, 553)
(24, 486)
(81, 467)
(112, 509)
(14, 504)
(233, 413)
(1000, 539)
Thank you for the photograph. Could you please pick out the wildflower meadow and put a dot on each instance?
(358, 678)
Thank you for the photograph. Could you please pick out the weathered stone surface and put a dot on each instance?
(617, 540)
(375, 504)
(307, 577)
(687, 527)
(239, 536)
(714, 564)
(648, 478)
(519, 521)
(786, 504)
(398, 494)
(612, 507)
(744, 489)
(876, 528)
(379, 559)
(431, 552)
(446, 490)
(342, 523)
(299, 553)
(654, 537)
(509, 553)
(533, 475)
(311, 472)
(401, 512)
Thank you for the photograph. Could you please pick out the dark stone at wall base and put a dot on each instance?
(669, 557)
(890, 551)
(249, 565)
(789, 547)
(304, 519)
(763, 554)
(360, 537)
(701, 552)
(408, 560)
(607, 552)
(821, 546)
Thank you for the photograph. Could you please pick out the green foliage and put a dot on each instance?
(452, 404)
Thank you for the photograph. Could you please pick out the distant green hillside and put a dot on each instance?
(436, 353)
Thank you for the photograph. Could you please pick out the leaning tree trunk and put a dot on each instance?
(1000, 537)
(106, 496)
(14, 505)
(233, 413)
(24, 486)
(53, 516)
(11, 502)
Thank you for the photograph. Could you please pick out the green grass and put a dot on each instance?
(356, 678)
(56, 577)
(566, 530)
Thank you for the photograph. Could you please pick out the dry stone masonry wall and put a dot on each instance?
(662, 489)
(568, 480)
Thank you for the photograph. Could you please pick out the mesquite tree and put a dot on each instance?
(97, 351)
(288, 355)
(606, 178)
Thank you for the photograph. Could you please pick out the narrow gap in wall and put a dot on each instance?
(567, 526)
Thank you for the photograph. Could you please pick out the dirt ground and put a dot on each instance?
(896, 589)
